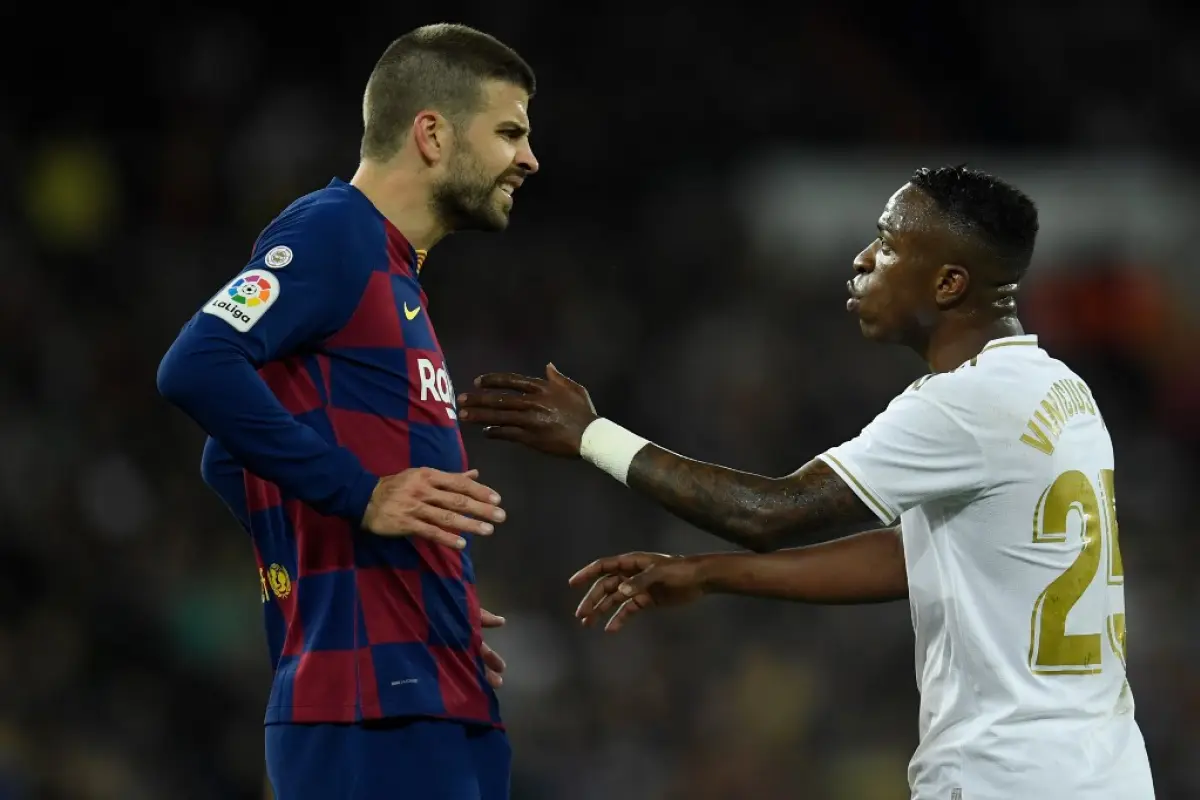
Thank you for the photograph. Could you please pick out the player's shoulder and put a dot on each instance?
(1012, 360)
(336, 208)
(1008, 378)
(336, 216)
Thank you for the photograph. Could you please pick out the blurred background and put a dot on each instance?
(707, 176)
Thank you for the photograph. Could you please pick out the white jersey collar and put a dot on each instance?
(1028, 339)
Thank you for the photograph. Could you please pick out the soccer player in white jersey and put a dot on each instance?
(994, 473)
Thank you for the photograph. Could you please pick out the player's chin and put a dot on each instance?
(488, 218)
(873, 330)
(499, 220)
(880, 333)
(873, 325)
(494, 215)
(503, 204)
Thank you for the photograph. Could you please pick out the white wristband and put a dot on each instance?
(610, 447)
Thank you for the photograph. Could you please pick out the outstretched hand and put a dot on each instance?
(547, 414)
(634, 582)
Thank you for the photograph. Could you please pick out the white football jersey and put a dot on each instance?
(1001, 475)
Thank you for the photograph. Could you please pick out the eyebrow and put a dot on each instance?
(513, 125)
(882, 228)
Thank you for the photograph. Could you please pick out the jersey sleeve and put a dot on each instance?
(222, 472)
(914, 452)
(296, 291)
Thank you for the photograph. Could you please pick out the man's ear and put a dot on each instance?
(432, 134)
(950, 286)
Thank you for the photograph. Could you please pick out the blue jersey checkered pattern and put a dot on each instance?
(351, 384)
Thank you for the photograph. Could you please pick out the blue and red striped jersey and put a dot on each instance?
(315, 371)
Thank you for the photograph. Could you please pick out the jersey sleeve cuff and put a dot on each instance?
(871, 499)
(359, 497)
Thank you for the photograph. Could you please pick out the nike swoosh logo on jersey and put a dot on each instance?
(411, 315)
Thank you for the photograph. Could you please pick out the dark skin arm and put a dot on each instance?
(863, 568)
(753, 511)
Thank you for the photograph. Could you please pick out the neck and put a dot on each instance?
(952, 345)
(403, 198)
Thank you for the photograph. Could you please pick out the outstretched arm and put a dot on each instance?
(752, 511)
(556, 415)
(863, 568)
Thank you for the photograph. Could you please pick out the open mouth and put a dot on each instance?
(510, 184)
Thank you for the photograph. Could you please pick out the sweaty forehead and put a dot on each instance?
(909, 210)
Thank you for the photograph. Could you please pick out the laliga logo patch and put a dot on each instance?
(245, 299)
(278, 257)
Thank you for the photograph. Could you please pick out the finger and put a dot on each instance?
(464, 483)
(640, 584)
(596, 599)
(508, 434)
(555, 376)
(589, 573)
(628, 564)
(423, 530)
(605, 605)
(511, 381)
(498, 400)
(452, 521)
(603, 586)
(627, 610)
(467, 506)
(525, 418)
(489, 620)
(610, 601)
(492, 660)
(494, 679)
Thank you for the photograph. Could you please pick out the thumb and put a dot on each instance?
(638, 584)
(555, 376)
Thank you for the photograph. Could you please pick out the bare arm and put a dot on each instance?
(863, 568)
(555, 415)
(752, 511)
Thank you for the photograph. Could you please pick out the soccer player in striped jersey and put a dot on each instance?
(994, 475)
(334, 439)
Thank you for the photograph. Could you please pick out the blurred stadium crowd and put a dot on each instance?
(131, 656)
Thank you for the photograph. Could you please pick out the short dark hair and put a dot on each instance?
(440, 66)
(1003, 218)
